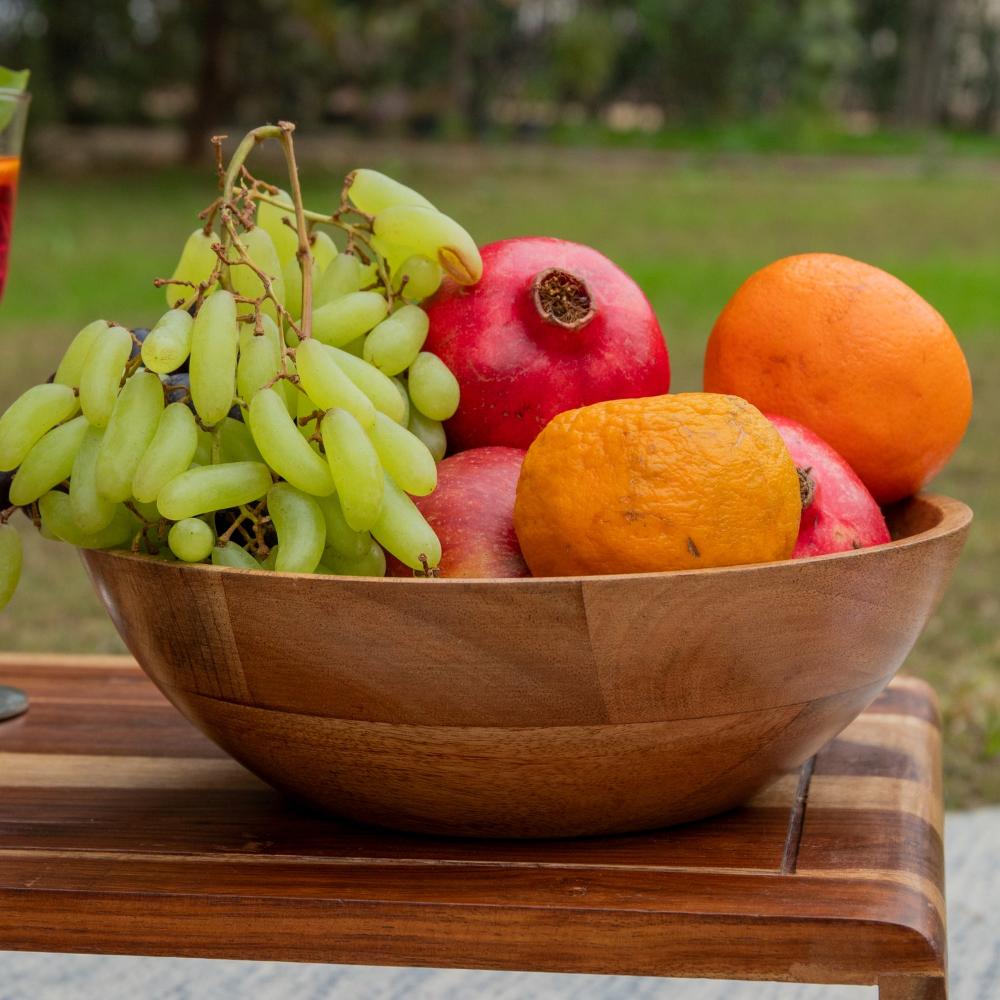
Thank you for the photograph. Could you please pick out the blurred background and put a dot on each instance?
(692, 141)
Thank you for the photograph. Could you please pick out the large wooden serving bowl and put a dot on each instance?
(539, 707)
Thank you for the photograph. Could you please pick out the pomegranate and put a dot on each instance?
(472, 511)
(838, 512)
(551, 326)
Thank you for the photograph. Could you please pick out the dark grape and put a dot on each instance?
(139, 334)
(178, 390)
(5, 480)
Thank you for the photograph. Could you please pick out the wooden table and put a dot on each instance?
(124, 831)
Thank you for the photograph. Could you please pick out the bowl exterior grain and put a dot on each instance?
(533, 707)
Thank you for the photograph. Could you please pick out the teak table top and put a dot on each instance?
(123, 830)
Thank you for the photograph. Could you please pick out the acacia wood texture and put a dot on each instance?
(538, 707)
(130, 833)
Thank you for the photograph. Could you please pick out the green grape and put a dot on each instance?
(284, 448)
(168, 344)
(340, 536)
(215, 344)
(427, 232)
(170, 452)
(271, 218)
(49, 462)
(371, 562)
(402, 530)
(270, 561)
(323, 250)
(191, 540)
(431, 432)
(356, 470)
(237, 442)
(376, 386)
(404, 456)
(130, 430)
(260, 358)
(328, 384)
(203, 449)
(373, 192)
(405, 397)
(395, 343)
(102, 374)
(233, 556)
(417, 278)
(245, 281)
(11, 559)
(56, 513)
(34, 413)
(300, 526)
(90, 510)
(434, 391)
(305, 410)
(213, 487)
(341, 277)
(355, 347)
(291, 276)
(196, 264)
(71, 366)
(347, 318)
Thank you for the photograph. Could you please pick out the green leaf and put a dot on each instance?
(11, 80)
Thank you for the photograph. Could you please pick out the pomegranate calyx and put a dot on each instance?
(562, 298)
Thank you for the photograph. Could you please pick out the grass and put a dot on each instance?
(689, 235)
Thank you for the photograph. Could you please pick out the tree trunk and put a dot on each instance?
(210, 96)
(922, 99)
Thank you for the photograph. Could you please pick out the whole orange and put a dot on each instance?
(660, 483)
(855, 355)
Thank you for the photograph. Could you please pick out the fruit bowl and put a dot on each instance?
(533, 707)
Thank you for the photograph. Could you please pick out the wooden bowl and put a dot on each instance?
(533, 707)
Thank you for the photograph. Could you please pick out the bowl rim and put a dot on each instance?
(955, 517)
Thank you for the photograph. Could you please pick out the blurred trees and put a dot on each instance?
(465, 66)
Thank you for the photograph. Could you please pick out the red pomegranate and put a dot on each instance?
(551, 326)
(838, 511)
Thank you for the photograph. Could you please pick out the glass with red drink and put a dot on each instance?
(13, 116)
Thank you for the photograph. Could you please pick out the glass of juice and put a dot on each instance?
(13, 116)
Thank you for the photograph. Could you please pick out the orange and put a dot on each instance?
(855, 355)
(660, 483)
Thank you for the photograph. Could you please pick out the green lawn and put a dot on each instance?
(689, 235)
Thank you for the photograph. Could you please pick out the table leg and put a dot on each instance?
(913, 988)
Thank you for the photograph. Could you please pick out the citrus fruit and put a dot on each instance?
(855, 355)
(667, 482)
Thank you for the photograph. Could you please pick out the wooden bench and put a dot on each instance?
(124, 831)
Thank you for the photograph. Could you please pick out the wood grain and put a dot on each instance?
(134, 850)
(533, 707)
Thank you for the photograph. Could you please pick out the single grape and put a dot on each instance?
(245, 281)
(6, 478)
(376, 386)
(34, 413)
(71, 367)
(431, 432)
(323, 250)
(271, 559)
(405, 397)
(260, 358)
(404, 456)
(395, 343)
(371, 562)
(191, 540)
(102, 374)
(233, 556)
(11, 559)
(417, 278)
(327, 383)
(271, 218)
(348, 317)
(215, 343)
(355, 347)
(402, 530)
(133, 423)
(203, 449)
(56, 513)
(341, 277)
(167, 346)
(355, 466)
(168, 455)
(291, 277)
(434, 390)
(373, 192)
(197, 261)
(300, 526)
(431, 234)
(213, 487)
(90, 510)
(237, 442)
(49, 462)
(177, 388)
(283, 447)
(340, 536)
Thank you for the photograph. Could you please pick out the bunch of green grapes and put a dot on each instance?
(279, 415)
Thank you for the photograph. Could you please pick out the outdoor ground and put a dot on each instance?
(689, 231)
